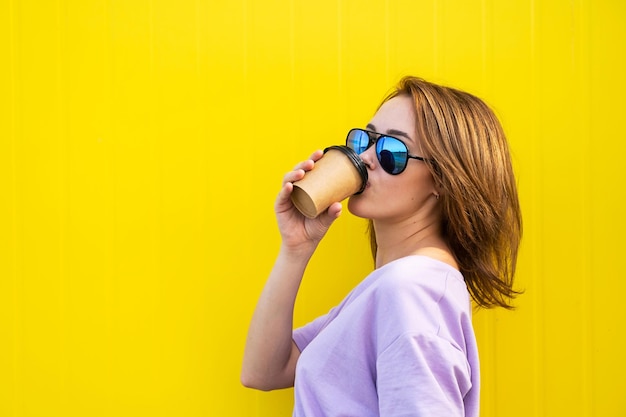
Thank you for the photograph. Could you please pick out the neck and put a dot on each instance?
(411, 237)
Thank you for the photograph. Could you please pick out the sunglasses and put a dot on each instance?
(391, 152)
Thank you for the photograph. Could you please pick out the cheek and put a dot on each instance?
(392, 195)
(387, 195)
(406, 193)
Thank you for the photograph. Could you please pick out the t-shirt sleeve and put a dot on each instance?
(305, 334)
(422, 375)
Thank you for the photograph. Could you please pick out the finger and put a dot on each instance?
(283, 200)
(285, 193)
(331, 214)
(315, 156)
(301, 168)
(293, 176)
(335, 210)
(308, 164)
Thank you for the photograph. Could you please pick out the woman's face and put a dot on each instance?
(395, 197)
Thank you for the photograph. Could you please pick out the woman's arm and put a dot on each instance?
(270, 355)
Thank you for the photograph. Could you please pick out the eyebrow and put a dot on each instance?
(393, 132)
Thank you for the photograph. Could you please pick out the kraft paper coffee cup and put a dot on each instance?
(339, 174)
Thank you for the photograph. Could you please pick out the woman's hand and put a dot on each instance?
(299, 232)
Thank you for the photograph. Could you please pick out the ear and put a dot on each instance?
(437, 185)
(437, 179)
(438, 189)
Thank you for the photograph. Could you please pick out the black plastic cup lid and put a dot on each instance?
(356, 161)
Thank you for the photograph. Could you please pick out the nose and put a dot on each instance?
(369, 157)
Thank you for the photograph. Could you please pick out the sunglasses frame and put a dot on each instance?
(374, 141)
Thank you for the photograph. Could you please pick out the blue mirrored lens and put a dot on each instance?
(392, 154)
(358, 140)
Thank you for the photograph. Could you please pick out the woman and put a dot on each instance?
(445, 225)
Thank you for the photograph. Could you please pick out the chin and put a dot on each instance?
(357, 206)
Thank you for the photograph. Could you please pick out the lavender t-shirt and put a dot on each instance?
(400, 344)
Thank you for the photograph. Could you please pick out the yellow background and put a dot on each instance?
(142, 144)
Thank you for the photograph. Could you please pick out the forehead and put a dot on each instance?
(398, 114)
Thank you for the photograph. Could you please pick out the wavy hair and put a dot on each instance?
(471, 164)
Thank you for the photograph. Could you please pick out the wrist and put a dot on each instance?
(297, 253)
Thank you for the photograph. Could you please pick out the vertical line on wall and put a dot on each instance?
(436, 38)
(387, 45)
(198, 53)
(245, 44)
(292, 46)
(490, 400)
(112, 266)
(107, 140)
(155, 147)
(536, 249)
(62, 127)
(201, 127)
(199, 95)
(14, 256)
(483, 45)
(339, 50)
(487, 46)
(153, 124)
(293, 60)
(581, 63)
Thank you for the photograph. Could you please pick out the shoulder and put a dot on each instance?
(420, 278)
(419, 295)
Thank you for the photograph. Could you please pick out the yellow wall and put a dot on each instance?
(142, 144)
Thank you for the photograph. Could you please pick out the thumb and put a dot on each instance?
(317, 228)
(330, 215)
